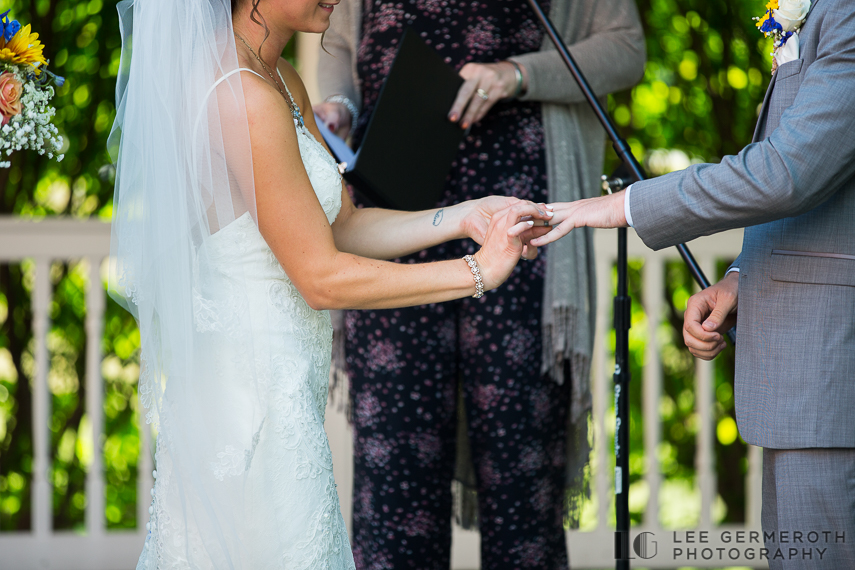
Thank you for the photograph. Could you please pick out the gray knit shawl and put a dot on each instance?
(606, 39)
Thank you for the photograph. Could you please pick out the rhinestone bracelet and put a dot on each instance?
(476, 274)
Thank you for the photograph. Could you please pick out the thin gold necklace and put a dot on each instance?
(295, 111)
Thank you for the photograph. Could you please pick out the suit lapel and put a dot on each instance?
(764, 110)
(812, 6)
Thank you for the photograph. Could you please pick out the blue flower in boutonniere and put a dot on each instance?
(783, 20)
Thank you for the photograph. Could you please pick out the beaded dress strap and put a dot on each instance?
(295, 109)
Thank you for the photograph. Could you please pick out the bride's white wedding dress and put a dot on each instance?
(285, 466)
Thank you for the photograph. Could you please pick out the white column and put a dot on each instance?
(704, 402)
(42, 489)
(95, 399)
(652, 385)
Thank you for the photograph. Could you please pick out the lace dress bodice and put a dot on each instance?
(284, 461)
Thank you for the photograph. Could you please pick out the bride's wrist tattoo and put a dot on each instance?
(437, 218)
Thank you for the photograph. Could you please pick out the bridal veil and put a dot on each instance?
(183, 173)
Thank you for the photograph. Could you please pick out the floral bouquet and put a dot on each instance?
(26, 88)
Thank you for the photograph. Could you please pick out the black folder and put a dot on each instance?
(409, 144)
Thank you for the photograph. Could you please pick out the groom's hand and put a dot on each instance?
(601, 212)
(709, 315)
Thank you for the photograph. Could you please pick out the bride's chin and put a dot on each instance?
(317, 25)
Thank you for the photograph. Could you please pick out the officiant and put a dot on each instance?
(493, 392)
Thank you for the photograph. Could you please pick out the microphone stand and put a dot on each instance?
(622, 301)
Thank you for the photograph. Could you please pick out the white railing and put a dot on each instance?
(99, 549)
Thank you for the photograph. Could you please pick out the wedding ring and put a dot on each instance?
(482, 94)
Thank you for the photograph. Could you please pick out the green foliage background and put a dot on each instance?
(707, 71)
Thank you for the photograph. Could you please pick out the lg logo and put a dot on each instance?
(643, 546)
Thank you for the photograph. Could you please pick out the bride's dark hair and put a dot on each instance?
(254, 16)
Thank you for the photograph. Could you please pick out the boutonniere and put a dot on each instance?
(783, 20)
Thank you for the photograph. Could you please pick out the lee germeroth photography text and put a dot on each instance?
(738, 546)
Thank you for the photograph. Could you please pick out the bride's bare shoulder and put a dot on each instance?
(263, 101)
(295, 84)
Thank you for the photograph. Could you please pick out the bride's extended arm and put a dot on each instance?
(295, 227)
(387, 234)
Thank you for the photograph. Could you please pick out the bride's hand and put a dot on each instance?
(506, 241)
(476, 216)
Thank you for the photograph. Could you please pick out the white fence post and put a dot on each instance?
(705, 406)
(42, 490)
(654, 285)
(95, 499)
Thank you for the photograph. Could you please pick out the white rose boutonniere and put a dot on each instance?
(783, 20)
(791, 14)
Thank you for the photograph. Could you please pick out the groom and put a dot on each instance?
(793, 189)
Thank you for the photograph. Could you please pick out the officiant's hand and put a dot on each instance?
(495, 81)
(504, 241)
(336, 117)
(709, 315)
(475, 216)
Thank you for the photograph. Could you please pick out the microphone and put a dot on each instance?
(615, 184)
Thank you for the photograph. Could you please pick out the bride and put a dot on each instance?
(232, 238)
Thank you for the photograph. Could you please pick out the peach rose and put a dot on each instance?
(10, 96)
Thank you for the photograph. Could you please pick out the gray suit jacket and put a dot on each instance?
(794, 191)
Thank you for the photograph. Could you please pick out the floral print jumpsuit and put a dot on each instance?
(406, 364)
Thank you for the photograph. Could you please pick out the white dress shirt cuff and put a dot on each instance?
(626, 210)
(732, 270)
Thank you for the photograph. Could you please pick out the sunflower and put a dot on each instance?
(23, 48)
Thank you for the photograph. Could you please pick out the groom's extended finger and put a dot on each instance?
(535, 232)
(556, 234)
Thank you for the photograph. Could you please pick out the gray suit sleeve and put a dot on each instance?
(735, 265)
(335, 71)
(612, 57)
(808, 158)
